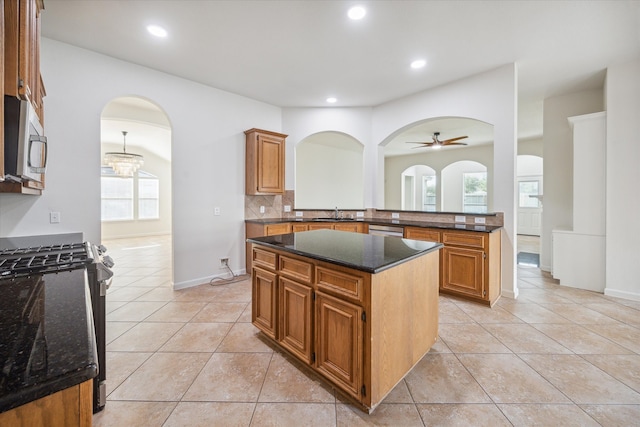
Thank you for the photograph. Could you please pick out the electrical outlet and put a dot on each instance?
(287, 208)
(360, 214)
(395, 215)
(216, 211)
(480, 220)
(261, 209)
(299, 214)
(461, 218)
(54, 217)
(224, 262)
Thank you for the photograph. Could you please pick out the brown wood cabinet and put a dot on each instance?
(265, 162)
(361, 332)
(69, 407)
(20, 70)
(259, 230)
(469, 262)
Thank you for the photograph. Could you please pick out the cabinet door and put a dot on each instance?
(349, 226)
(270, 164)
(295, 318)
(275, 229)
(417, 233)
(321, 226)
(265, 301)
(296, 228)
(339, 342)
(463, 271)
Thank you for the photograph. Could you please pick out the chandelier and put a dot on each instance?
(124, 164)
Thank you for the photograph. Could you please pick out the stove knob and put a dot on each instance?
(102, 249)
(108, 261)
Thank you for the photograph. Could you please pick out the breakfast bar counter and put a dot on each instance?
(359, 310)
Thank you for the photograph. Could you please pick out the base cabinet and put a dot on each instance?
(469, 262)
(72, 406)
(296, 318)
(264, 309)
(463, 271)
(339, 334)
(361, 332)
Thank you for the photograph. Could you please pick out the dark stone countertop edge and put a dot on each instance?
(37, 391)
(398, 222)
(436, 246)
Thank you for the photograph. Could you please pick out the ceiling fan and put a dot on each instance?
(436, 143)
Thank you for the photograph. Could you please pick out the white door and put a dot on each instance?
(529, 205)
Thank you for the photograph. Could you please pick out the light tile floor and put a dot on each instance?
(556, 356)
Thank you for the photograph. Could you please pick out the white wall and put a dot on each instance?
(558, 162)
(329, 172)
(490, 97)
(207, 156)
(299, 123)
(159, 167)
(623, 178)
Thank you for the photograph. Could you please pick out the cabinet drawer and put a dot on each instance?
(340, 283)
(275, 229)
(296, 269)
(264, 259)
(321, 226)
(472, 240)
(422, 234)
(296, 228)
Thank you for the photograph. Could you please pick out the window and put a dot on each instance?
(474, 192)
(124, 201)
(528, 192)
(429, 193)
(148, 196)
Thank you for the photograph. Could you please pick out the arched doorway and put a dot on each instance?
(137, 205)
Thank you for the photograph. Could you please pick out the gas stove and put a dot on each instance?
(16, 264)
(21, 262)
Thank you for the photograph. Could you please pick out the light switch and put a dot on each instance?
(395, 215)
(261, 209)
(461, 218)
(54, 217)
(480, 220)
(287, 208)
(299, 214)
(216, 211)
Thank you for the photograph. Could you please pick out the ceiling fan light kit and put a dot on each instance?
(437, 144)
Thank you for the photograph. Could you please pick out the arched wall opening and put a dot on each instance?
(329, 172)
(137, 205)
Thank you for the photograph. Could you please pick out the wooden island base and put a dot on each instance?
(361, 332)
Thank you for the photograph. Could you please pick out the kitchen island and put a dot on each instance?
(359, 310)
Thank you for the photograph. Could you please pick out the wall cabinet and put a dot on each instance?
(265, 162)
(20, 70)
(469, 262)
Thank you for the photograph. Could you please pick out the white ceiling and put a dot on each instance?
(297, 53)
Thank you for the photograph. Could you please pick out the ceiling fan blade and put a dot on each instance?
(446, 141)
(454, 143)
(416, 142)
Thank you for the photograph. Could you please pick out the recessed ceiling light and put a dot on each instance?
(357, 12)
(332, 100)
(157, 30)
(418, 63)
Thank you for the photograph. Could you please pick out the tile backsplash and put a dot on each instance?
(274, 208)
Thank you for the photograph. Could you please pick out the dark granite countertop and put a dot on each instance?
(47, 340)
(365, 252)
(397, 222)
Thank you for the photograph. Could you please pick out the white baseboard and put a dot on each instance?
(633, 296)
(510, 294)
(204, 280)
